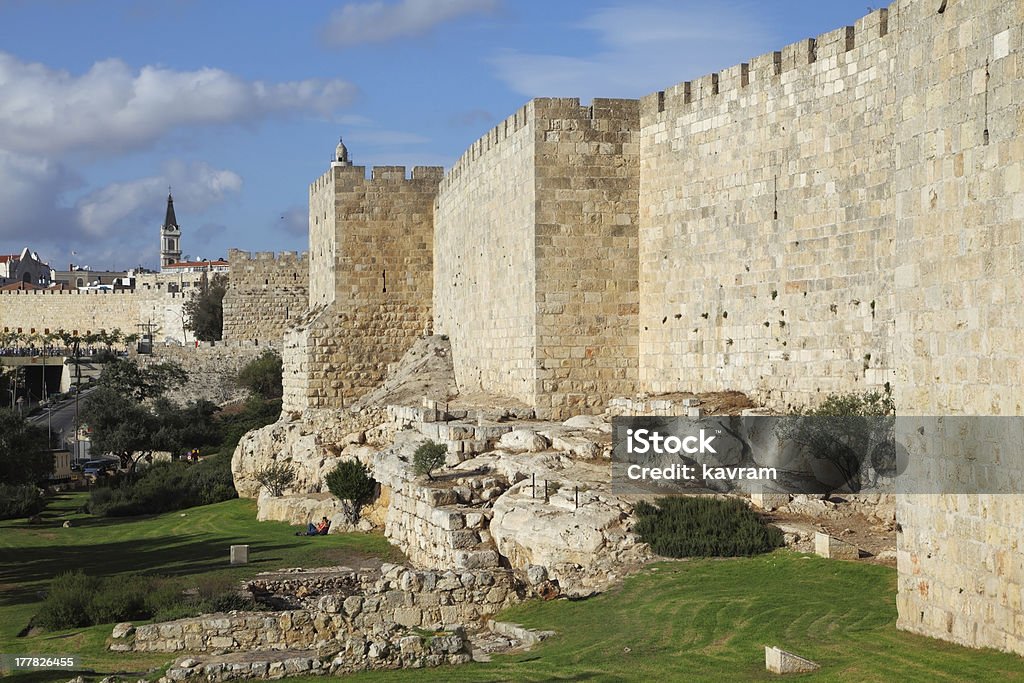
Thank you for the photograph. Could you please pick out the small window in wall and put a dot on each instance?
(79, 282)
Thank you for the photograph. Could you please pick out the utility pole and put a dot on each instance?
(78, 390)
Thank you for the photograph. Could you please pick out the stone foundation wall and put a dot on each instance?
(318, 645)
(267, 294)
(427, 521)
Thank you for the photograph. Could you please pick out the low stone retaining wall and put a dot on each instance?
(351, 654)
(442, 523)
(339, 603)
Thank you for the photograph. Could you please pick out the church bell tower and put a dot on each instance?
(170, 236)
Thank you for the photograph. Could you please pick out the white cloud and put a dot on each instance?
(644, 48)
(115, 224)
(376, 22)
(128, 205)
(112, 107)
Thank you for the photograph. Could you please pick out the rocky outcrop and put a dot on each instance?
(583, 539)
(285, 441)
(307, 507)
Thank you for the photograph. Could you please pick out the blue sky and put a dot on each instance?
(238, 104)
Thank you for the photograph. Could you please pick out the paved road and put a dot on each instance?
(62, 422)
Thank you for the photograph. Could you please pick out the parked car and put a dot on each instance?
(94, 469)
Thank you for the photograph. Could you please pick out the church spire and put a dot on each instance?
(169, 220)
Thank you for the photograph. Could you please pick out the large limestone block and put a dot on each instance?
(523, 440)
(281, 442)
(300, 509)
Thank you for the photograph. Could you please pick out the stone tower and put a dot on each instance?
(170, 236)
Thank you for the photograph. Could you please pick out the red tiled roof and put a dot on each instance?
(20, 285)
(4, 258)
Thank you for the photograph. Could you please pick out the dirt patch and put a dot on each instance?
(875, 536)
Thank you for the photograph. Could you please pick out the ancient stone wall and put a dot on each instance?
(381, 279)
(267, 293)
(959, 286)
(586, 244)
(840, 215)
(541, 301)
(84, 312)
(485, 260)
(766, 223)
(212, 368)
(340, 604)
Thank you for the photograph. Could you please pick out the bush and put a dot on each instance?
(122, 599)
(75, 600)
(67, 602)
(262, 376)
(704, 527)
(351, 481)
(166, 486)
(19, 501)
(853, 434)
(428, 457)
(275, 478)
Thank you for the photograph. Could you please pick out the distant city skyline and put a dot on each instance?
(238, 106)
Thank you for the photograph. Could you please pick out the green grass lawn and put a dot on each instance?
(676, 621)
(191, 543)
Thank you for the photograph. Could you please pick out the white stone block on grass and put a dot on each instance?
(832, 548)
(781, 662)
(239, 554)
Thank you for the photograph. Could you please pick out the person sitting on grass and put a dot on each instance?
(320, 529)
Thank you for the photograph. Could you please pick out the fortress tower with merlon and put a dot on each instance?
(370, 282)
(541, 303)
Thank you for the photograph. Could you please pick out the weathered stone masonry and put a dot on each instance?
(766, 228)
(536, 240)
(267, 293)
(371, 262)
(843, 214)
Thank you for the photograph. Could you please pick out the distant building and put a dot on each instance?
(24, 268)
(184, 275)
(84, 277)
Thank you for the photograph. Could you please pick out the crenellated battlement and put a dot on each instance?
(538, 109)
(377, 174)
(68, 293)
(805, 57)
(238, 257)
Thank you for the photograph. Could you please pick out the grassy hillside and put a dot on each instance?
(694, 621)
